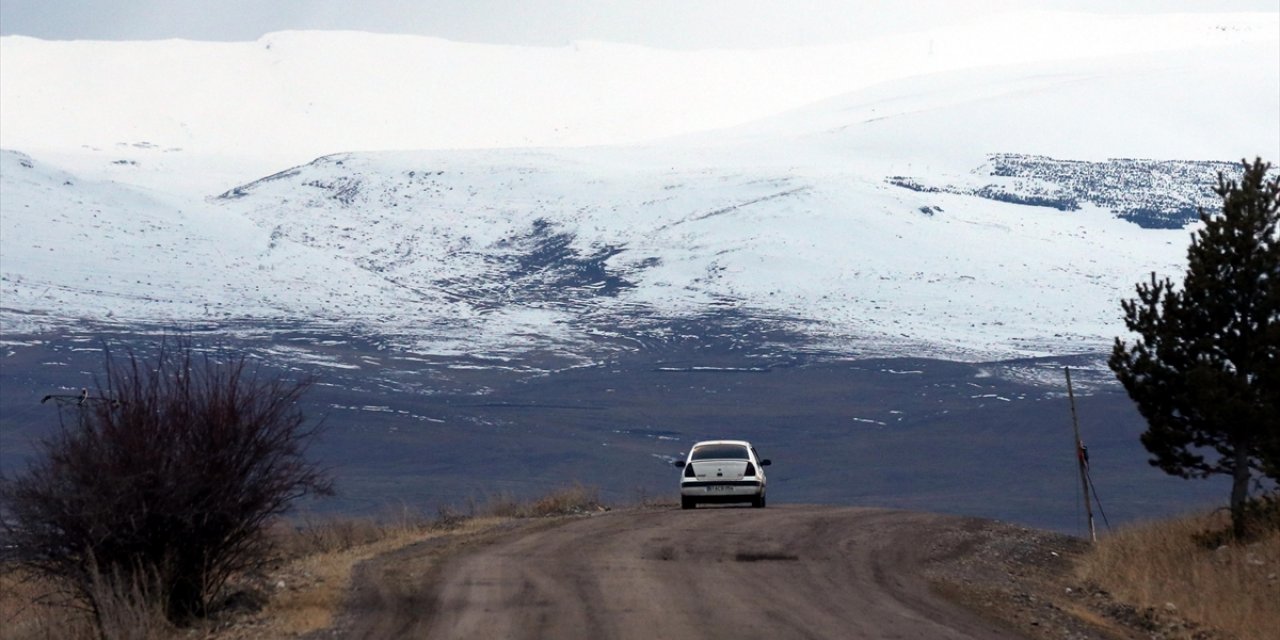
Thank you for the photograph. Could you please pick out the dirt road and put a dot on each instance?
(785, 572)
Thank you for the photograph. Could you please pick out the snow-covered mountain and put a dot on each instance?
(984, 191)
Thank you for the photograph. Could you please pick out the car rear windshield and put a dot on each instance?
(720, 452)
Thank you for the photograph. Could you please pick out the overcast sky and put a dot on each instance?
(659, 23)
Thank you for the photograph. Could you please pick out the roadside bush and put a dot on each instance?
(562, 501)
(161, 485)
(573, 500)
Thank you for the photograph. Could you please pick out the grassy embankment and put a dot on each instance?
(302, 591)
(1180, 569)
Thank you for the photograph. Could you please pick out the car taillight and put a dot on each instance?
(688, 471)
(751, 470)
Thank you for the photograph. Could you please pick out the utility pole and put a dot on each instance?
(1080, 458)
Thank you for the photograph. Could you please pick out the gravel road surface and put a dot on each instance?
(740, 573)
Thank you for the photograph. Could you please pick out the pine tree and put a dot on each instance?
(1205, 368)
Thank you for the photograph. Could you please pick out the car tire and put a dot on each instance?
(687, 502)
(758, 501)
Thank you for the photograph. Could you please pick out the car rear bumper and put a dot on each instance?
(722, 490)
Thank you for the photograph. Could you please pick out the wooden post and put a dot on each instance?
(1084, 473)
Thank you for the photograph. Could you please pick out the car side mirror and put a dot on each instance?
(677, 463)
(766, 462)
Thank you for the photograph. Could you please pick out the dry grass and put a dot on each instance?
(25, 610)
(1165, 566)
(33, 607)
(573, 500)
(129, 612)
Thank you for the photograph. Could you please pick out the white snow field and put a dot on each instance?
(493, 199)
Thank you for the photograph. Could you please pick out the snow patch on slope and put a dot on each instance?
(849, 262)
(786, 226)
(79, 249)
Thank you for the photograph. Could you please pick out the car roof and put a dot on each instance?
(737, 442)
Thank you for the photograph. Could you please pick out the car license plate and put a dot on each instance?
(719, 488)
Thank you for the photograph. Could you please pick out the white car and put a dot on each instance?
(722, 471)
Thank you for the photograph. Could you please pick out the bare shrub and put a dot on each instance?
(502, 505)
(566, 501)
(167, 478)
(448, 517)
(571, 500)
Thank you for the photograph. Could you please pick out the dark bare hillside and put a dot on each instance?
(406, 430)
